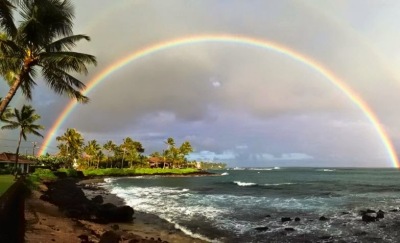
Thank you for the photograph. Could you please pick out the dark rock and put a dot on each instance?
(60, 174)
(268, 216)
(286, 219)
(110, 213)
(371, 211)
(326, 237)
(393, 210)
(110, 237)
(360, 233)
(323, 218)
(289, 229)
(380, 214)
(79, 174)
(97, 199)
(115, 227)
(297, 219)
(344, 213)
(44, 197)
(84, 238)
(368, 218)
(261, 228)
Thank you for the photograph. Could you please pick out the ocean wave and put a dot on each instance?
(239, 183)
(279, 184)
(225, 173)
(326, 170)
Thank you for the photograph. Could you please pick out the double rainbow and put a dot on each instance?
(240, 40)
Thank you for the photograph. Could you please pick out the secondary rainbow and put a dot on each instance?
(240, 40)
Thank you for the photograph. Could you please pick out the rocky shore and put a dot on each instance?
(60, 211)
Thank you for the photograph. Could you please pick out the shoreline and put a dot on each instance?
(146, 225)
(46, 222)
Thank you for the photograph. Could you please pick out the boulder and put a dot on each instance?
(289, 229)
(261, 228)
(368, 218)
(297, 219)
(110, 237)
(97, 199)
(323, 218)
(286, 219)
(380, 214)
(110, 213)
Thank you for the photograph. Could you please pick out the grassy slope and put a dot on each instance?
(5, 182)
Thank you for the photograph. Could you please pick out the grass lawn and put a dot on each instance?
(5, 182)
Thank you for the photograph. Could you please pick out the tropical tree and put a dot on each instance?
(132, 150)
(73, 142)
(172, 151)
(42, 44)
(92, 149)
(24, 120)
(109, 146)
(184, 150)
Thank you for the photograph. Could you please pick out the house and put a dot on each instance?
(157, 162)
(8, 160)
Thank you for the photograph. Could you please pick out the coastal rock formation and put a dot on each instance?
(286, 219)
(69, 198)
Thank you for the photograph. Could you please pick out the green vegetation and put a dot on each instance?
(24, 120)
(138, 171)
(5, 182)
(41, 45)
(34, 179)
(128, 154)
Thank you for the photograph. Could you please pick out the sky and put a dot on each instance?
(239, 104)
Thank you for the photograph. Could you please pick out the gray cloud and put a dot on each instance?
(236, 99)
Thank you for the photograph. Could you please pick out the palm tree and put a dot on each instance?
(109, 146)
(25, 121)
(92, 149)
(42, 44)
(73, 141)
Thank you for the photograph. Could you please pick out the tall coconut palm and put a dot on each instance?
(23, 120)
(92, 149)
(73, 141)
(43, 45)
(109, 146)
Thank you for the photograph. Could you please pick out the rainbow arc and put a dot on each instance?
(240, 40)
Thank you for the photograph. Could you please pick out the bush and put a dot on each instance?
(69, 172)
(34, 179)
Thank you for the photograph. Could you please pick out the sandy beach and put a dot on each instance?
(46, 223)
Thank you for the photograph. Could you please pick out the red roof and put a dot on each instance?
(10, 158)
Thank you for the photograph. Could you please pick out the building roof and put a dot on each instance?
(10, 158)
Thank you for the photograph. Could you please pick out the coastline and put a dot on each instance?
(45, 222)
(145, 225)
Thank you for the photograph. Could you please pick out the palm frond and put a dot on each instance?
(45, 20)
(9, 127)
(28, 82)
(6, 18)
(67, 61)
(63, 83)
(65, 43)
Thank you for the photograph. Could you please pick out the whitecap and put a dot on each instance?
(225, 173)
(240, 183)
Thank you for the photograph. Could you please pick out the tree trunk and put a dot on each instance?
(7, 99)
(17, 154)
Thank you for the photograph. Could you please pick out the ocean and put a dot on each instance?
(248, 205)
